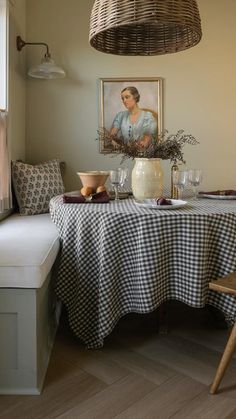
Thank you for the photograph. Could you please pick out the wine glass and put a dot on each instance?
(124, 175)
(180, 180)
(116, 179)
(195, 178)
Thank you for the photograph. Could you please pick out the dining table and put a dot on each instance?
(120, 257)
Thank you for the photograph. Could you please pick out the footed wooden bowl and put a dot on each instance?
(93, 178)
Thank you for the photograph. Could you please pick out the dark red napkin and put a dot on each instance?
(225, 192)
(98, 198)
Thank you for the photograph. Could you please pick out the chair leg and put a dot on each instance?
(228, 352)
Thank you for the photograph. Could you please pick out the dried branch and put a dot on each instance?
(166, 146)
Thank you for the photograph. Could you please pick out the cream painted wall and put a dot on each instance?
(16, 81)
(199, 91)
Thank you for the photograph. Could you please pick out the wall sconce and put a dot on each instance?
(47, 69)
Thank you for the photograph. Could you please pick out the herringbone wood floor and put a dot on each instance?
(138, 374)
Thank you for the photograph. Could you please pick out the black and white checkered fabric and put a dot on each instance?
(119, 258)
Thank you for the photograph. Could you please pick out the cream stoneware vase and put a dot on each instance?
(147, 179)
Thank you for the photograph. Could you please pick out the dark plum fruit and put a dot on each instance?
(163, 201)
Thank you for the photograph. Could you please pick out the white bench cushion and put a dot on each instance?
(28, 248)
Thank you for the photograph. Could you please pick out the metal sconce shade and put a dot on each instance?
(144, 27)
(47, 69)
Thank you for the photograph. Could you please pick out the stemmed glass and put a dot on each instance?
(125, 173)
(195, 178)
(180, 180)
(117, 180)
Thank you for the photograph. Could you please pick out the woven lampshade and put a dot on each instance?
(144, 27)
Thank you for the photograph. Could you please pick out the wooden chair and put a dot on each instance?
(154, 113)
(226, 285)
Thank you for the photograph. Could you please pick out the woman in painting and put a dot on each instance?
(134, 124)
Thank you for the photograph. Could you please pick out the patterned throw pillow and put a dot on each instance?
(35, 185)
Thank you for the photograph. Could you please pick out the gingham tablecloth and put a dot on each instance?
(119, 258)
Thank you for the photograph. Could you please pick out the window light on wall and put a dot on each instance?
(3, 53)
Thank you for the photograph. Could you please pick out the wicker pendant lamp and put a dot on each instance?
(144, 27)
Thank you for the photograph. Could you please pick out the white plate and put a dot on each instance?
(203, 195)
(151, 203)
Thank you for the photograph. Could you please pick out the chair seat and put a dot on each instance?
(227, 284)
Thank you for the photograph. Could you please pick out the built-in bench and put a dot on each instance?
(29, 313)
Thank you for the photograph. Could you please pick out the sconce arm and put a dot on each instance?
(21, 44)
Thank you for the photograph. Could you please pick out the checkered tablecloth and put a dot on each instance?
(118, 258)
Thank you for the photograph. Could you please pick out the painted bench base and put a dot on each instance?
(28, 324)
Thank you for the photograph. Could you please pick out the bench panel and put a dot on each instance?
(28, 323)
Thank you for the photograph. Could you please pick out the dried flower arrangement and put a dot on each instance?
(166, 146)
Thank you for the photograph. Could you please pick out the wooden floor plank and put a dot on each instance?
(207, 406)
(138, 364)
(183, 356)
(231, 415)
(165, 400)
(205, 337)
(113, 400)
(94, 362)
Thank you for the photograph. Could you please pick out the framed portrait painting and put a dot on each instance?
(130, 108)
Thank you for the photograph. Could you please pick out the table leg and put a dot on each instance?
(162, 319)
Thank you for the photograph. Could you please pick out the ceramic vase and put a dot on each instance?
(147, 179)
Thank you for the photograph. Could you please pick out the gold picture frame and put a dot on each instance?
(150, 91)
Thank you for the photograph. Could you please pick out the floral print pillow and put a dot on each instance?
(35, 185)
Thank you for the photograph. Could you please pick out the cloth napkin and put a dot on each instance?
(225, 192)
(98, 198)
